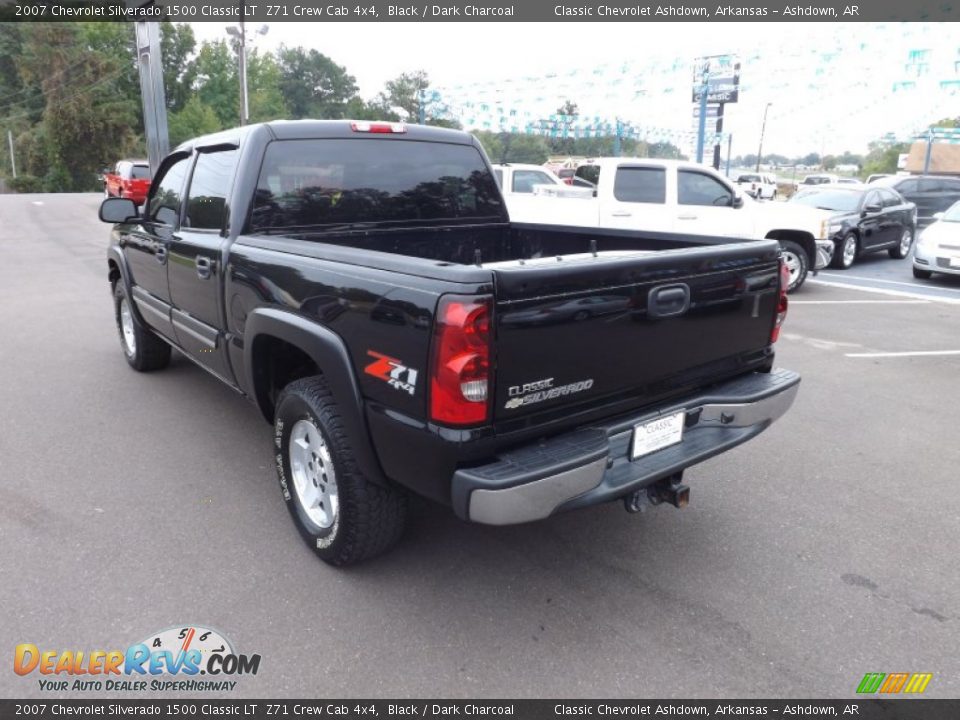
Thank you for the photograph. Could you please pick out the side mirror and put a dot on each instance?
(872, 209)
(738, 201)
(117, 210)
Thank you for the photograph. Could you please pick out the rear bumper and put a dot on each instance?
(591, 465)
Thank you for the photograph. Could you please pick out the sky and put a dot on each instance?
(831, 87)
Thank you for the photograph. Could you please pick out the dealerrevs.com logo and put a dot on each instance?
(170, 660)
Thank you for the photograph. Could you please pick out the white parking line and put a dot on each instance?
(859, 302)
(885, 282)
(919, 353)
(884, 291)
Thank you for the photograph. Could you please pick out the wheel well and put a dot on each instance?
(113, 273)
(276, 364)
(804, 240)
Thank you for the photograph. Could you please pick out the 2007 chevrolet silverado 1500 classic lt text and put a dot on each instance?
(364, 286)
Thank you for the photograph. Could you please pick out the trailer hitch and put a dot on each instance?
(670, 490)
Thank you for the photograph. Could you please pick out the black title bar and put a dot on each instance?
(478, 11)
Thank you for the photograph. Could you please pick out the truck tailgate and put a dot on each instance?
(593, 327)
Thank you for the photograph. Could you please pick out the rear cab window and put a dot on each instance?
(640, 185)
(317, 183)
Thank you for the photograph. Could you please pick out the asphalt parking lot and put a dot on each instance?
(824, 549)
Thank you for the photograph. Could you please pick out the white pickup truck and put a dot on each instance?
(684, 197)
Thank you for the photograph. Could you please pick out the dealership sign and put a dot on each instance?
(721, 73)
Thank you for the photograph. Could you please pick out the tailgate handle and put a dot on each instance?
(668, 301)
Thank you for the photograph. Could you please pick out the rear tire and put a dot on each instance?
(922, 274)
(143, 350)
(903, 249)
(797, 263)
(341, 515)
(846, 252)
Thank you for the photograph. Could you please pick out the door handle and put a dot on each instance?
(621, 214)
(161, 254)
(204, 267)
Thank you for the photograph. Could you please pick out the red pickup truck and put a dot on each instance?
(129, 179)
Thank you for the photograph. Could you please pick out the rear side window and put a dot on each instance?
(140, 172)
(311, 183)
(211, 181)
(524, 180)
(640, 185)
(908, 186)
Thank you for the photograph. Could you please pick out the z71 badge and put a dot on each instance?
(393, 372)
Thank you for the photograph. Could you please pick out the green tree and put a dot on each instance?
(882, 156)
(87, 121)
(193, 120)
(263, 85)
(313, 85)
(217, 83)
(177, 46)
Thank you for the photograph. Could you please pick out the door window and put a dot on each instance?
(166, 194)
(694, 188)
(207, 199)
(640, 185)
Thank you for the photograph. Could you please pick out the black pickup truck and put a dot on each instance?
(364, 286)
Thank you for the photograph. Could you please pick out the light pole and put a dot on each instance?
(762, 130)
(241, 35)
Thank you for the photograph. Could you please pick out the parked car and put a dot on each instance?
(679, 196)
(848, 181)
(865, 219)
(938, 246)
(931, 193)
(760, 186)
(357, 281)
(518, 178)
(877, 176)
(129, 179)
(820, 180)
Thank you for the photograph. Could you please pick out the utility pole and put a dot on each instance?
(13, 163)
(763, 129)
(926, 160)
(729, 143)
(244, 103)
(702, 126)
(716, 147)
(151, 90)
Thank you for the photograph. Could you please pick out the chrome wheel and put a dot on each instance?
(906, 240)
(794, 265)
(314, 477)
(126, 329)
(849, 250)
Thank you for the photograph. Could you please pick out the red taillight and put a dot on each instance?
(378, 127)
(460, 372)
(781, 302)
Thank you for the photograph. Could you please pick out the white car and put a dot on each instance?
(938, 247)
(761, 186)
(517, 179)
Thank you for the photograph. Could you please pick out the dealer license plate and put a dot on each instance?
(657, 434)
